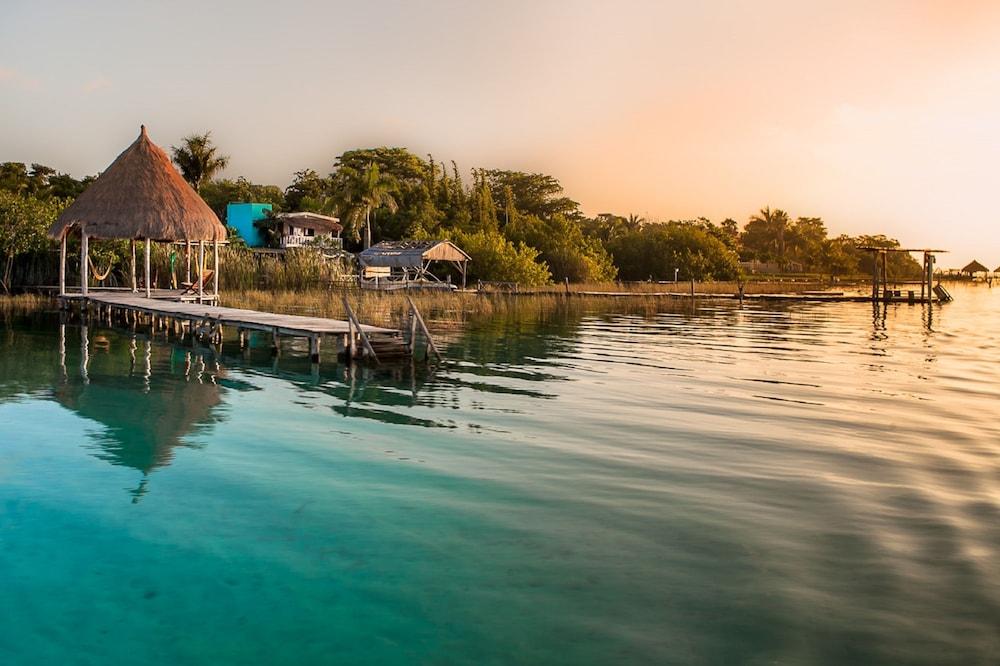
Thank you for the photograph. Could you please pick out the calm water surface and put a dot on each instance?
(710, 485)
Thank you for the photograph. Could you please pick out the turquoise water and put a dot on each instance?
(707, 485)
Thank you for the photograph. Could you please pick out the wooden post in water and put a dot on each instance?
(930, 277)
(875, 255)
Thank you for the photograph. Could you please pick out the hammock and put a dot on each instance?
(100, 277)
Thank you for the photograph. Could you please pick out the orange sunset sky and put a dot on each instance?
(876, 116)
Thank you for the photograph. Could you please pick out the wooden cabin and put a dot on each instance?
(407, 264)
(309, 229)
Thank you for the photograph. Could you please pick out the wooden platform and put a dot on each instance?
(205, 319)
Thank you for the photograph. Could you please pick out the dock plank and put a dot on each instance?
(251, 319)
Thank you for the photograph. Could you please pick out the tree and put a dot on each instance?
(218, 194)
(24, 225)
(764, 237)
(656, 250)
(309, 191)
(806, 237)
(198, 160)
(568, 253)
(13, 177)
(494, 258)
(363, 192)
(532, 193)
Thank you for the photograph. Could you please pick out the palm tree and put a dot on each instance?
(197, 160)
(774, 224)
(363, 193)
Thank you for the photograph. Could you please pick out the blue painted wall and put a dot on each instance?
(242, 216)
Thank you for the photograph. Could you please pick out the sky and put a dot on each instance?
(876, 116)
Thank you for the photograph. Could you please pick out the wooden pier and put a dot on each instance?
(354, 339)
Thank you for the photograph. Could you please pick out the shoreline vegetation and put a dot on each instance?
(448, 308)
(518, 227)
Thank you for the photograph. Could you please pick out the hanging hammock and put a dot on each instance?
(100, 277)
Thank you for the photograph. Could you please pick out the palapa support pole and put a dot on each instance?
(62, 266)
(135, 278)
(149, 250)
(187, 258)
(201, 271)
(215, 265)
(84, 263)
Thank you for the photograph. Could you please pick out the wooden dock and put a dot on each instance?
(206, 321)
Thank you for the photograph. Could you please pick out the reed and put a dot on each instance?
(23, 303)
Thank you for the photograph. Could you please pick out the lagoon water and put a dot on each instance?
(707, 485)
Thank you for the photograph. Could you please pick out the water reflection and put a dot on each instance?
(152, 396)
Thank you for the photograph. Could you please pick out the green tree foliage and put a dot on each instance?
(40, 181)
(198, 159)
(563, 247)
(361, 193)
(531, 193)
(309, 192)
(220, 193)
(765, 236)
(900, 265)
(655, 250)
(24, 225)
(496, 259)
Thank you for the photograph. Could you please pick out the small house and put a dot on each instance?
(406, 263)
(308, 229)
(244, 218)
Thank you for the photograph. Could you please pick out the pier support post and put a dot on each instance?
(314, 349)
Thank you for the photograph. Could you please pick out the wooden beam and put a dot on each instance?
(62, 265)
(149, 251)
(135, 270)
(427, 333)
(215, 264)
(84, 263)
(201, 271)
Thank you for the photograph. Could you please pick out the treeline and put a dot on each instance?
(518, 227)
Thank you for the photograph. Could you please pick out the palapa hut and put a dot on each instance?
(405, 262)
(974, 267)
(141, 197)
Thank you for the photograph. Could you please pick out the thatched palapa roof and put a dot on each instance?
(975, 267)
(141, 195)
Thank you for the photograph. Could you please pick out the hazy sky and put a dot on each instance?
(876, 116)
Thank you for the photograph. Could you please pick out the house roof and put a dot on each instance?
(975, 267)
(411, 253)
(312, 221)
(141, 195)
